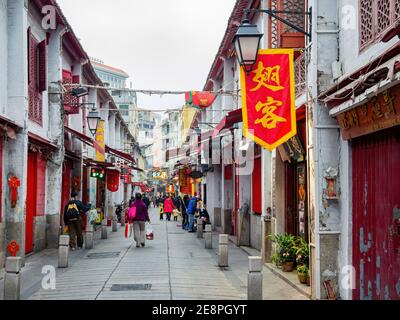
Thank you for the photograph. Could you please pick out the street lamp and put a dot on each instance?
(93, 120)
(247, 42)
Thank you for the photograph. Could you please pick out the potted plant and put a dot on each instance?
(302, 252)
(302, 273)
(286, 248)
(275, 259)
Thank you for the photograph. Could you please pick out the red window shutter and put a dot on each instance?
(41, 186)
(256, 186)
(42, 72)
(1, 174)
(35, 97)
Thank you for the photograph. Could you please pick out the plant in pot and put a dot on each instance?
(309, 278)
(286, 246)
(302, 273)
(302, 252)
(275, 259)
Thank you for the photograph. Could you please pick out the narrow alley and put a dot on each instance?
(174, 266)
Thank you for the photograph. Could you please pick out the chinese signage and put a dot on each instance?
(199, 99)
(160, 175)
(269, 116)
(379, 113)
(100, 142)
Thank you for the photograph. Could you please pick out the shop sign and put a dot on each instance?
(160, 175)
(379, 113)
(268, 99)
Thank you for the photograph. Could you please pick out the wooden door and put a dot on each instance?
(31, 196)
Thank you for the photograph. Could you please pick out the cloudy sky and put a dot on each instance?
(162, 44)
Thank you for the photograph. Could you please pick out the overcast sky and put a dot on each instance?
(161, 44)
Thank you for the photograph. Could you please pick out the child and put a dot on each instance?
(161, 211)
(176, 213)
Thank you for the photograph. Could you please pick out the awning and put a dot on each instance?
(120, 154)
(227, 122)
(91, 142)
(41, 142)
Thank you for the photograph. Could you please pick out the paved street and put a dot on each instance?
(175, 264)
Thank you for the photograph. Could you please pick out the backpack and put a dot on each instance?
(72, 211)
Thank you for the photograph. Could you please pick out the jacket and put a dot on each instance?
(142, 213)
(168, 205)
(81, 208)
(192, 206)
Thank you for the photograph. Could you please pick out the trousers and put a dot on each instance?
(139, 232)
(75, 233)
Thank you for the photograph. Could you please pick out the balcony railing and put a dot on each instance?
(300, 74)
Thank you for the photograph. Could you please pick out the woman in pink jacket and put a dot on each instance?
(168, 207)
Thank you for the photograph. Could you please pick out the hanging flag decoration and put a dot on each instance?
(113, 180)
(199, 100)
(100, 144)
(268, 98)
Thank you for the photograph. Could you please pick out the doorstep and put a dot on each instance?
(290, 278)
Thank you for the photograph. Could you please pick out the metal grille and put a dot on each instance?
(376, 18)
(277, 27)
(300, 74)
(131, 287)
(103, 255)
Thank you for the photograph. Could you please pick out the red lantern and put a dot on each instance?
(113, 180)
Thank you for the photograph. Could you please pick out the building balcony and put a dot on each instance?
(300, 74)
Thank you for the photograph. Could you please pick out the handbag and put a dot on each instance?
(132, 214)
(149, 233)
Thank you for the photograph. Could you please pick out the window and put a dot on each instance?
(37, 77)
(71, 103)
(376, 18)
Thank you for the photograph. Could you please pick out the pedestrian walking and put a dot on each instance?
(146, 200)
(185, 220)
(191, 210)
(168, 207)
(139, 222)
(73, 212)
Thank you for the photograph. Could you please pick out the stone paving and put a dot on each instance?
(174, 266)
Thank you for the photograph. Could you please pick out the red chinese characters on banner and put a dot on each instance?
(268, 98)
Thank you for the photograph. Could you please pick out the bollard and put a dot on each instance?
(114, 224)
(89, 237)
(199, 228)
(223, 250)
(104, 229)
(12, 278)
(208, 237)
(63, 252)
(255, 279)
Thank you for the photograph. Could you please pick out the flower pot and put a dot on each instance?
(308, 280)
(302, 277)
(287, 266)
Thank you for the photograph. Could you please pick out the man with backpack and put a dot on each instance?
(73, 219)
(146, 200)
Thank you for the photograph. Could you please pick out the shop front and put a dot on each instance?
(373, 132)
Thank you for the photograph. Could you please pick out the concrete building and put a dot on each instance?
(125, 100)
(46, 150)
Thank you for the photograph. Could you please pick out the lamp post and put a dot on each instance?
(247, 42)
(93, 120)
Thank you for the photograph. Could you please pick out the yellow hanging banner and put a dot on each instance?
(100, 144)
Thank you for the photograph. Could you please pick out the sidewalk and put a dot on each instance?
(175, 265)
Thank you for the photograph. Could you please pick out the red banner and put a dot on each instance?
(268, 98)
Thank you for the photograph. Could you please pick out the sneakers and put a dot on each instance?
(137, 246)
(143, 244)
